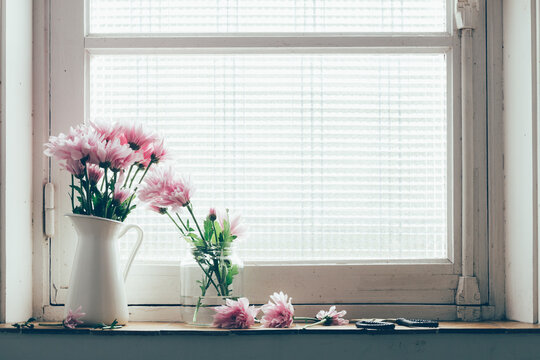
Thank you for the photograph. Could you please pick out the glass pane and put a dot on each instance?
(292, 16)
(334, 156)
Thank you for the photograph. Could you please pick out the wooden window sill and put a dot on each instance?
(162, 328)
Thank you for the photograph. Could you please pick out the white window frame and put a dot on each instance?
(366, 288)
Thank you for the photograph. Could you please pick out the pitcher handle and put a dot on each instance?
(135, 248)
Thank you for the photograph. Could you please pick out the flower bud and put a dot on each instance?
(212, 214)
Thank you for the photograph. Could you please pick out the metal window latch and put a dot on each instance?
(48, 196)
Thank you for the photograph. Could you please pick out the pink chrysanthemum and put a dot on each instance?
(137, 136)
(74, 167)
(78, 144)
(159, 152)
(155, 185)
(279, 313)
(235, 314)
(235, 223)
(162, 188)
(120, 195)
(159, 210)
(113, 155)
(95, 173)
(106, 129)
(179, 194)
(332, 317)
(72, 319)
(146, 157)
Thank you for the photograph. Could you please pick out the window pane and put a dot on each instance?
(334, 156)
(293, 16)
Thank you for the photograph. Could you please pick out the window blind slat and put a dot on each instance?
(343, 158)
(260, 16)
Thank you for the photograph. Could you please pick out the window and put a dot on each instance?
(332, 126)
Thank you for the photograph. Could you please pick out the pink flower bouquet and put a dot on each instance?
(107, 161)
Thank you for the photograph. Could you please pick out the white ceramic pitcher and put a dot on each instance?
(96, 283)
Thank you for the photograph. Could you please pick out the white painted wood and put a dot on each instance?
(67, 71)
(173, 313)
(467, 12)
(520, 160)
(481, 247)
(467, 138)
(66, 109)
(368, 284)
(40, 261)
(495, 156)
(269, 41)
(48, 204)
(16, 161)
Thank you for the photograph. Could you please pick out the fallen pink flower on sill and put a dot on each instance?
(332, 317)
(279, 313)
(72, 319)
(235, 314)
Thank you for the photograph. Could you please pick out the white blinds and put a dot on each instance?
(295, 16)
(327, 156)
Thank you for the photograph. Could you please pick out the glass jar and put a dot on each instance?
(207, 278)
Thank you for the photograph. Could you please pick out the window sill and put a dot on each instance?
(162, 328)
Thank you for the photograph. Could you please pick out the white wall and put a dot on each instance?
(520, 159)
(16, 161)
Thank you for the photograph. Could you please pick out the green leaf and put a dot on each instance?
(208, 230)
(233, 270)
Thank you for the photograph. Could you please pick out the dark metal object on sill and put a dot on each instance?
(417, 323)
(375, 325)
(389, 324)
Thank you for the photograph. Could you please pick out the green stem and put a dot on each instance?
(55, 324)
(135, 190)
(106, 185)
(301, 318)
(317, 323)
(206, 284)
(72, 193)
(81, 192)
(106, 198)
(215, 233)
(209, 278)
(111, 209)
(144, 174)
(182, 222)
(134, 176)
(196, 223)
(175, 223)
(101, 187)
(194, 320)
(127, 177)
(88, 192)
